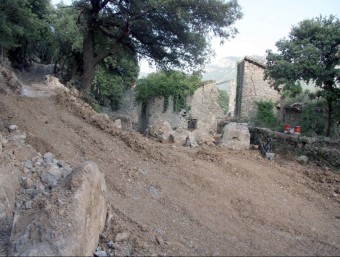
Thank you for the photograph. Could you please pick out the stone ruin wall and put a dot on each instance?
(251, 88)
(129, 111)
(232, 98)
(155, 114)
(204, 108)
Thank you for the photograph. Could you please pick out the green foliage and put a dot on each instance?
(172, 33)
(113, 77)
(25, 30)
(314, 114)
(69, 40)
(223, 100)
(96, 107)
(265, 116)
(312, 121)
(175, 84)
(310, 53)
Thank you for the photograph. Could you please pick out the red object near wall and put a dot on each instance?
(297, 130)
(286, 128)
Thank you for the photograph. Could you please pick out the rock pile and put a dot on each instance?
(58, 210)
(10, 80)
(165, 134)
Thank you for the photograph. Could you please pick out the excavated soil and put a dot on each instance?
(169, 200)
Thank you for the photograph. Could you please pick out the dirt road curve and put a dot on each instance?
(181, 201)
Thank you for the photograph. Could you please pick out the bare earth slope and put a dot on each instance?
(182, 201)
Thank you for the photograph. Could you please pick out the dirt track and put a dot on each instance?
(182, 201)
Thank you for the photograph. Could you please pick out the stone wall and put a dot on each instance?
(319, 149)
(251, 88)
(129, 111)
(203, 103)
(155, 114)
(205, 107)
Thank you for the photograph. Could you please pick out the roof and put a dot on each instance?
(256, 62)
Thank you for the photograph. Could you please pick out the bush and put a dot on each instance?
(175, 84)
(265, 116)
(314, 116)
(113, 77)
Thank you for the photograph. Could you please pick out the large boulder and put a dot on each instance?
(235, 136)
(65, 221)
(161, 131)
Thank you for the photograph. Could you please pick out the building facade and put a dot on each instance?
(251, 88)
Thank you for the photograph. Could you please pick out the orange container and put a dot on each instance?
(297, 130)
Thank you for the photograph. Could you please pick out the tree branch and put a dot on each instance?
(109, 51)
(103, 4)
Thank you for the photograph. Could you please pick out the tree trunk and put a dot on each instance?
(330, 121)
(89, 62)
(88, 76)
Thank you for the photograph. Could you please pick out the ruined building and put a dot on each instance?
(204, 112)
(251, 88)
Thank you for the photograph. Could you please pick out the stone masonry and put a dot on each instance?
(204, 110)
(251, 88)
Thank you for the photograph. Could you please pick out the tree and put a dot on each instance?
(173, 33)
(25, 31)
(69, 42)
(113, 76)
(310, 53)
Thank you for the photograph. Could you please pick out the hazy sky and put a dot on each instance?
(266, 21)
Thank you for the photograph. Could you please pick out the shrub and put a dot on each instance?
(175, 84)
(265, 116)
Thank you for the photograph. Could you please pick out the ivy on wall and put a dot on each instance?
(240, 73)
(175, 84)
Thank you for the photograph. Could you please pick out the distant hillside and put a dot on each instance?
(224, 70)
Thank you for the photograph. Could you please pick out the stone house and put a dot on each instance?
(251, 88)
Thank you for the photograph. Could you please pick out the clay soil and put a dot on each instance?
(172, 200)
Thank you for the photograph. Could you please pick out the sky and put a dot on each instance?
(264, 22)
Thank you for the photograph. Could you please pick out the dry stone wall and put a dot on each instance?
(129, 111)
(251, 88)
(205, 108)
(318, 149)
(155, 114)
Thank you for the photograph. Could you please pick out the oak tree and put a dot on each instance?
(173, 33)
